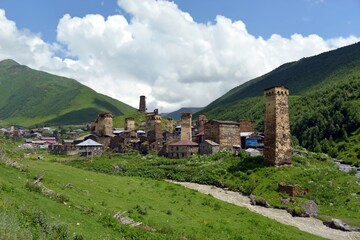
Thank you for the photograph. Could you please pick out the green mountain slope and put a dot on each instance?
(324, 102)
(31, 97)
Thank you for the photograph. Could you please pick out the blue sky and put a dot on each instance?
(167, 50)
(327, 18)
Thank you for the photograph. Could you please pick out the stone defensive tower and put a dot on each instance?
(200, 123)
(142, 105)
(129, 124)
(186, 126)
(277, 149)
(170, 125)
(104, 124)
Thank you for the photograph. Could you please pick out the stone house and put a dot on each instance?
(225, 133)
(60, 149)
(182, 149)
(209, 147)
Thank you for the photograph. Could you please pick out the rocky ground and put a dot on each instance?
(310, 225)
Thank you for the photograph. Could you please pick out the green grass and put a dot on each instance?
(335, 192)
(175, 212)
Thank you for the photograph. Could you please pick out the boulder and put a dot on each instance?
(310, 208)
(260, 201)
(340, 225)
(252, 199)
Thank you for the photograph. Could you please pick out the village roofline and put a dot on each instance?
(89, 143)
(212, 143)
(223, 122)
(184, 143)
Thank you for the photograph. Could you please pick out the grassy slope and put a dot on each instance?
(31, 96)
(178, 214)
(335, 192)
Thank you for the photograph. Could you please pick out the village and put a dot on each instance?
(179, 139)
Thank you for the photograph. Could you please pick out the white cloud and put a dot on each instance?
(161, 53)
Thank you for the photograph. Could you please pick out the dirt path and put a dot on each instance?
(310, 225)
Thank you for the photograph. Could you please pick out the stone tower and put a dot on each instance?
(200, 123)
(170, 125)
(277, 149)
(186, 126)
(104, 124)
(142, 105)
(129, 124)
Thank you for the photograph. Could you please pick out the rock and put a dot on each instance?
(310, 209)
(252, 199)
(68, 185)
(285, 201)
(340, 225)
(260, 201)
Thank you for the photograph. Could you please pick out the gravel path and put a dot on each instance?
(310, 225)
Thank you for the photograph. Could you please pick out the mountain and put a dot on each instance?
(30, 97)
(324, 99)
(177, 114)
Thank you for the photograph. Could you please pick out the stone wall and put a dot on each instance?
(212, 131)
(246, 126)
(58, 149)
(229, 136)
(277, 149)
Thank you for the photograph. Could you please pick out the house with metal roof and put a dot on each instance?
(90, 148)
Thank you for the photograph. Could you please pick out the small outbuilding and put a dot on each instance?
(209, 147)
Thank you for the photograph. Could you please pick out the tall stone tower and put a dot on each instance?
(142, 105)
(200, 123)
(104, 124)
(170, 125)
(186, 126)
(129, 123)
(277, 149)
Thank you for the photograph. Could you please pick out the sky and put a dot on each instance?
(178, 53)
